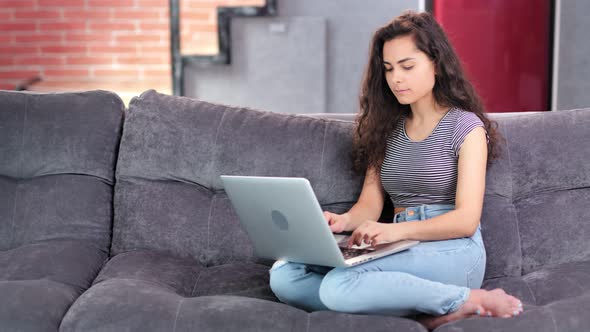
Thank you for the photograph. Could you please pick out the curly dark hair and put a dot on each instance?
(379, 109)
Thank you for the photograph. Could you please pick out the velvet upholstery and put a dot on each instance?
(179, 259)
(57, 159)
(173, 151)
(177, 239)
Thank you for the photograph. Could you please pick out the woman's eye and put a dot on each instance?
(388, 69)
(408, 68)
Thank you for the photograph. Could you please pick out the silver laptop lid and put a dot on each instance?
(283, 218)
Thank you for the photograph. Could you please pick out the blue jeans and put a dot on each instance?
(434, 277)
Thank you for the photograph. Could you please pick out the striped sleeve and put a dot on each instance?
(465, 124)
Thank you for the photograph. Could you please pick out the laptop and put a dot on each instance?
(284, 221)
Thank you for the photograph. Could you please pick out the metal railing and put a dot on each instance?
(224, 15)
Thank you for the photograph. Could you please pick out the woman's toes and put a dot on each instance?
(479, 310)
(517, 305)
(469, 309)
(500, 304)
(484, 313)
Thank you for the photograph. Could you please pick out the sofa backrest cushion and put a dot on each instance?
(169, 196)
(535, 210)
(57, 161)
(534, 206)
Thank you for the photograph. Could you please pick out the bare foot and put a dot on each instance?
(467, 310)
(481, 302)
(496, 302)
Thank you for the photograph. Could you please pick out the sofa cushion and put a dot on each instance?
(139, 307)
(56, 194)
(169, 196)
(570, 314)
(188, 278)
(39, 282)
(532, 319)
(500, 222)
(57, 167)
(551, 186)
(534, 208)
(555, 299)
(150, 291)
(69, 262)
(240, 279)
(547, 285)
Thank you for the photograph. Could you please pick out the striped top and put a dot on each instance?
(425, 172)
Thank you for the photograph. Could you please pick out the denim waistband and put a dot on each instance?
(420, 212)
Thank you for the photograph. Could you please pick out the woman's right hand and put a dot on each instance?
(338, 222)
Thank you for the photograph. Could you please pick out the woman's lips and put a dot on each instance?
(402, 90)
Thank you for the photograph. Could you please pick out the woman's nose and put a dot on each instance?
(396, 77)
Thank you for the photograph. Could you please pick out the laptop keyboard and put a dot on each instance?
(350, 253)
(353, 252)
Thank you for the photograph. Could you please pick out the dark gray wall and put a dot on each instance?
(309, 59)
(278, 64)
(573, 59)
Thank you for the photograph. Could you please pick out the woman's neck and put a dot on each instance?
(426, 111)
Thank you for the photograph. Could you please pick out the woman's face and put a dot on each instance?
(408, 71)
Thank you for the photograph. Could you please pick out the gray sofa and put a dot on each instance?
(116, 220)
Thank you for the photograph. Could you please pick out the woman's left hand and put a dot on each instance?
(374, 233)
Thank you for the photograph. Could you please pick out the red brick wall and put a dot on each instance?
(119, 45)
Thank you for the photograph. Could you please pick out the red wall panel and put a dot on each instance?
(505, 48)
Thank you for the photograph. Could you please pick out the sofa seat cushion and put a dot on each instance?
(241, 279)
(186, 277)
(547, 285)
(569, 314)
(145, 306)
(555, 299)
(39, 282)
(147, 290)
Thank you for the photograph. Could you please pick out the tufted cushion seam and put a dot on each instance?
(196, 283)
(323, 147)
(177, 312)
(511, 171)
(214, 147)
(162, 285)
(531, 291)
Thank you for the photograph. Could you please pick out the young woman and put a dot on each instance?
(421, 136)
